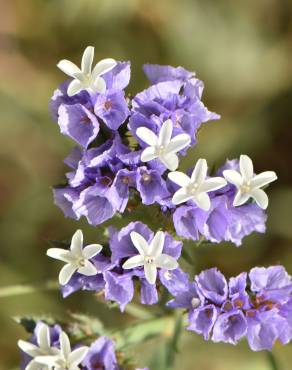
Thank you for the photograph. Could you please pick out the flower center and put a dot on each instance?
(160, 149)
(108, 105)
(245, 187)
(149, 260)
(81, 262)
(146, 177)
(193, 188)
(195, 302)
(87, 79)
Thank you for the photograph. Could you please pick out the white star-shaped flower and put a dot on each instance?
(151, 256)
(87, 78)
(77, 258)
(43, 348)
(66, 359)
(196, 187)
(249, 184)
(163, 146)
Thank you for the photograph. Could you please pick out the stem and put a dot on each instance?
(138, 333)
(272, 361)
(15, 290)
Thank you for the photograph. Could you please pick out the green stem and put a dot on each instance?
(272, 361)
(15, 290)
(138, 333)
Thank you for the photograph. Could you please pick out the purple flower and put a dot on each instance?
(151, 186)
(212, 285)
(112, 108)
(257, 306)
(229, 327)
(223, 221)
(119, 77)
(79, 123)
(174, 95)
(101, 355)
(119, 288)
(202, 320)
(159, 73)
(120, 281)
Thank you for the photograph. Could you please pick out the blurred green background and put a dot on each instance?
(242, 51)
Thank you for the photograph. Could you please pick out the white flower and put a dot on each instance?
(86, 78)
(65, 359)
(43, 348)
(197, 186)
(249, 184)
(77, 258)
(151, 256)
(163, 146)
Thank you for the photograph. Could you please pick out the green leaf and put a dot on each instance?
(172, 345)
(143, 331)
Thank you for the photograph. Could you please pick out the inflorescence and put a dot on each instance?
(128, 154)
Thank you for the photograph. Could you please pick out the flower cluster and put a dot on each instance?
(257, 306)
(128, 153)
(49, 348)
(108, 169)
(137, 255)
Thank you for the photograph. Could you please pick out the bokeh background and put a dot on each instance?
(241, 49)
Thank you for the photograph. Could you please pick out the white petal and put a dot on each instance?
(233, 177)
(133, 262)
(88, 269)
(202, 200)
(50, 361)
(179, 178)
(181, 196)
(157, 244)
(28, 348)
(147, 136)
(66, 273)
(103, 66)
(166, 262)
(87, 60)
(240, 198)
(59, 254)
(139, 242)
(165, 133)
(43, 338)
(77, 356)
(33, 365)
(178, 143)
(246, 167)
(170, 161)
(150, 273)
(65, 344)
(213, 183)
(148, 154)
(91, 250)
(77, 243)
(260, 197)
(98, 85)
(74, 87)
(263, 179)
(68, 67)
(200, 171)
